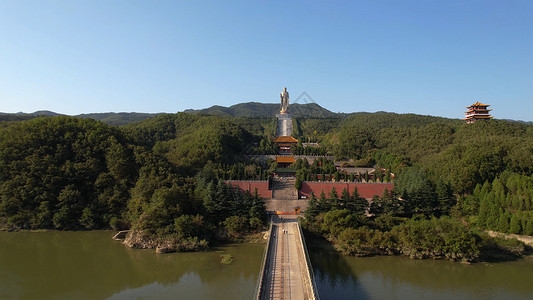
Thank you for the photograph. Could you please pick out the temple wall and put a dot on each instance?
(261, 186)
(366, 190)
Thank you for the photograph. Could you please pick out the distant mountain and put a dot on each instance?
(45, 113)
(118, 119)
(111, 118)
(256, 109)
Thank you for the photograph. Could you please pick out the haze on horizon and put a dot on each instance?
(431, 58)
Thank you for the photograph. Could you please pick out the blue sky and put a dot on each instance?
(424, 57)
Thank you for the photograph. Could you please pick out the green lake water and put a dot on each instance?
(90, 265)
(398, 277)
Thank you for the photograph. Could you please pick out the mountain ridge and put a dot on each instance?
(257, 109)
(240, 110)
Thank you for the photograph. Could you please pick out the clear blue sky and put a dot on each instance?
(425, 57)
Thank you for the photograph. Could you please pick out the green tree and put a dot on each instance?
(503, 223)
(313, 209)
(298, 184)
(515, 225)
(529, 227)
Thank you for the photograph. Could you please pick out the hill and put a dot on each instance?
(256, 109)
(110, 118)
(118, 119)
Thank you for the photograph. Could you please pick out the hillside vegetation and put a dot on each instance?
(155, 177)
(163, 177)
(265, 110)
(479, 174)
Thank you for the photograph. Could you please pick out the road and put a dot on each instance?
(287, 276)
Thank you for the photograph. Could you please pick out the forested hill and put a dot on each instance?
(255, 109)
(111, 118)
(118, 119)
(71, 173)
(249, 110)
(164, 176)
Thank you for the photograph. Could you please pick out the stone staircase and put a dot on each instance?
(284, 125)
(283, 189)
(285, 196)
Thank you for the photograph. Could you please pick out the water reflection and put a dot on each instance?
(398, 277)
(89, 265)
(334, 277)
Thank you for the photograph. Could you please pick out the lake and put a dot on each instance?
(90, 265)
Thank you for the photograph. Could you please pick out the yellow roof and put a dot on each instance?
(285, 159)
(477, 104)
(285, 139)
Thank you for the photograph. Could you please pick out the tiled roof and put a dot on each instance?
(285, 159)
(285, 139)
(261, 186)
(477, 104)
(365, 190)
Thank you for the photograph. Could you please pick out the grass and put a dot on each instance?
(227, 259)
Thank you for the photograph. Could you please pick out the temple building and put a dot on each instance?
(285, 143)
(477, 111)
(285, 161)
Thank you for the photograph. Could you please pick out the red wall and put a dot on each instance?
(366, 190)
(262, 187)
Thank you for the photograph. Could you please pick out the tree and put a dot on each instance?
(445, 197)
(377, 206)
(298, 183)
(515, 225)
(529, 227)
(334, 199)
(313, 209)
(345, 199)
(236, 224)
(323, 203)
(357, 204)
(503, 223)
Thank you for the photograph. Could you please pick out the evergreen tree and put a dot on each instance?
(334, 199)
(493, 217)
(313, 209)
(376, 207)
(298, 184)
(503, 223)
(445, 197)
(529, 227)
(515, 225)
(345, 199)
(358, 204)
(323, 203)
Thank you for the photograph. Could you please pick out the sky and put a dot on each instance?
(423, 57)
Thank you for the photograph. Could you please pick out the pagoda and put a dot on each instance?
(477, 111)
(285, 143)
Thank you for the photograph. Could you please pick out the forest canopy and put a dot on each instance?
(165, 175)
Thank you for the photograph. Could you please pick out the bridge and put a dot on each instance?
(286, 271)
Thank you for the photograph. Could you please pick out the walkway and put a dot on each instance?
(286, 273)
(284, 125)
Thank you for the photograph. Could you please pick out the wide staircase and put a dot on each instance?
(284, 125)
(285, 197)
(283, 189)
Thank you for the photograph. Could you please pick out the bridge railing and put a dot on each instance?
(261, 279)
(308, 264)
